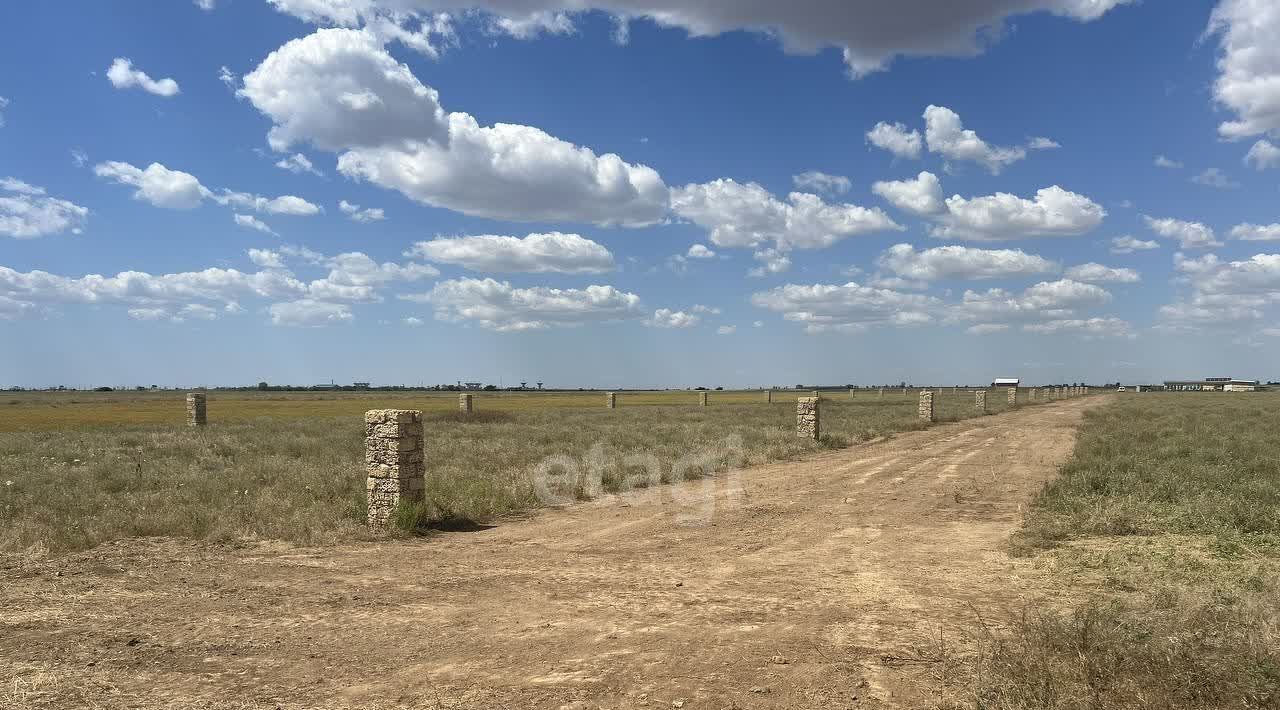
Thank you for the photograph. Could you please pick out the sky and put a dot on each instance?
(638, 193)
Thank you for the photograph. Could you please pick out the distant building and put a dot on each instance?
(1006, 382)
(360, 385)
(474, 385)
(1211, 384)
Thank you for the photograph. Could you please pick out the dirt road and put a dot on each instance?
(815, 584)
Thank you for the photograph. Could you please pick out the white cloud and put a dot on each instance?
(848, 307)
(757, 324)
(1167, 163)
(667, 318)
(747, 215)
(897, 139)
(946, 135)
(4, 103)
(1213, 177)
(958, 262)
(309, 313)
(175, 189)
(250, 222)
(820, 182)
(1264, 154)
(227, 78)
(1053, 212)
(340, 91)
(700, 251)
(27, 212)
(1042, 143)
(709, 310)
(413, 322)
(1222, 293)
(553, 252)
(771, 261)
(726, 330)
(355, 277)
(1248, 80)
(122, 75)
(1128, 244)
(1045, 301)
(986, 328)
(921, 196)
(297, 164)
(1189, 235)
(1097, 273)
(1087, 328)
(361, 214)
(869, 34)
(497, 305)
(79, 158)
(266, 258)
(1256, 232)
(206, 5)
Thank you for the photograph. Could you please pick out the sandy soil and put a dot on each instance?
(824, 583)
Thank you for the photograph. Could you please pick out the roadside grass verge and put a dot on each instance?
(300, 477)
(1164, 531)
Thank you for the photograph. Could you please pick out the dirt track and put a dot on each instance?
(796, 585)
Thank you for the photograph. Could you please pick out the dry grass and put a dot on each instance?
(1166, 527)
(290, 467)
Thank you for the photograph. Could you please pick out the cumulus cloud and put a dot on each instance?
(772, 261)
(1045, 301)
(1002, 216)
(1222, 292)
(248, 221)
(309, 313)
(339, 90)
(1128, 244)
(1167, 163)
(1264, 154)
(1248, 82)
(1213, 177)
(1110, 327)
(27, 212)
(1042, 143)
(122, 75)
(957, 262)
(1097, 273)
(356, 277)
(869, 34)
(1189, 235)
(175, 189)
(700, 251)
(297, 164)
(847, 307)
(1256, 232)
(946, 135)
(266, 258)
(897, 139)
(497, 305)
(667, 318)
(361, 214)
(747, 215)
(823, 183)
(553, 252)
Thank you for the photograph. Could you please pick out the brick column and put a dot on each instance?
(980, 401)
(394, 461)
(464, 403)
(197, 412)
(611, 400)
(807, 426)
(926, 405)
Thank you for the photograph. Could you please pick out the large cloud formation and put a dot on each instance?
(869, 33)
(339, 90)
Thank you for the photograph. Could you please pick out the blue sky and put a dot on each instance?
(226, 191)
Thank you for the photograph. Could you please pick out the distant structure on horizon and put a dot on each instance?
(1211, 384)
(1006, 382)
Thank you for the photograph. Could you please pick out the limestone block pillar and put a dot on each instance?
(611, 400)
(395, 462)
(980, 401)
(197, 411)
(926, 405)
(807, 426)
(464, 403)
(1013, 396)
(702, 398)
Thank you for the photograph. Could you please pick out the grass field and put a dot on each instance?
(1166, 524)
(77, 469)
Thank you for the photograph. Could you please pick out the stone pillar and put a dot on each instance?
(904, 391)
(1031, 394)
(807, 426)
(702, 398)
(197, 413)
(881, 393)
(464, 403)
(1013, 396)
(769, 396)
(852, 393)
(611, 400)
(394, 461)
(980, 401)
(926, 405)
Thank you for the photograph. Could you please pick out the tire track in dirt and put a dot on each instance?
(780, 586)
